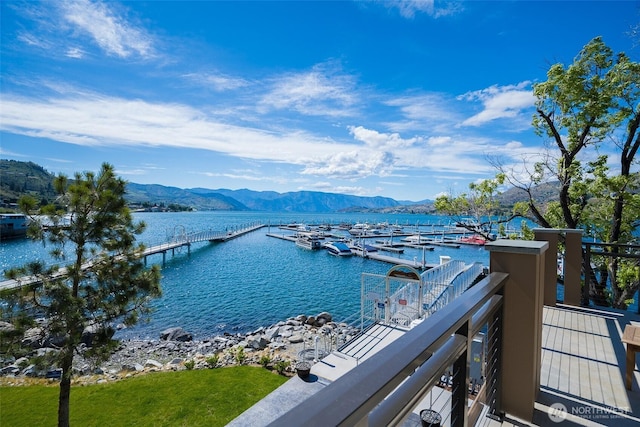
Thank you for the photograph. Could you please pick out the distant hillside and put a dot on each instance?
(154, 193)
(301, 201)
(20, 178)
(543, 194)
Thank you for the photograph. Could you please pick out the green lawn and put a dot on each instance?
(210, 397)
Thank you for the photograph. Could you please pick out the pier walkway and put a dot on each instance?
(183, 240)
(187, 239)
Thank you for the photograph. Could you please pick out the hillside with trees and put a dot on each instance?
(22, 178)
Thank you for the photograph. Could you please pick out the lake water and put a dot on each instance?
(254, 280)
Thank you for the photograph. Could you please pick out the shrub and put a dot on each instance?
(282, 366)
(240, 355)
(189, 364)
(265, 360)
(212, 361)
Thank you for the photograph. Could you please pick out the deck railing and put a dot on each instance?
(394, 383)
(577, 263)
(385, 388)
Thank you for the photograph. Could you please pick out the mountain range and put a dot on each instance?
(19, 178)
(244, 199)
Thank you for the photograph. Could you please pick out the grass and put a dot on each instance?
(209, 397)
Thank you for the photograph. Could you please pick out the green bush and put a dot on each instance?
(281, 366)
(241, 356)
(265, 361)
(189, 364)
(212, 361)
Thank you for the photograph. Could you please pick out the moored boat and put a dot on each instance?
(473, 240)
(13, 226)
(308, 241)
(338, 249)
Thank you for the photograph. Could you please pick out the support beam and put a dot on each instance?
(549, 235)
(573, 267)
(522, 322)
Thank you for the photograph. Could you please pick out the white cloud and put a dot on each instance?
(410, 8)
(74, 52)
(108, 121)
(113, 33)
(432, 112)
(499, 102)
(352, 165)
(104, 24)
(323, 91)
(381, 141)
(217, 81)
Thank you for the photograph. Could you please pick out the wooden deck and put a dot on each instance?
(582, 372)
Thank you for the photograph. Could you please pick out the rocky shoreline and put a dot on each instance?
(283, 344)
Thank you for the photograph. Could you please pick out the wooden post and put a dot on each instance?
(522, 322)
(573, 267)
(549, 235)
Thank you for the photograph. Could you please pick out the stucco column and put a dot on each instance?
(549, 235)
(522, 323)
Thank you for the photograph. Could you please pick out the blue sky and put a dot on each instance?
(399, 99)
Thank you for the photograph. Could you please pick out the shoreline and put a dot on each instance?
(292, 340)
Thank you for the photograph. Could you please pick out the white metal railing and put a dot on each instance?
(400, 301)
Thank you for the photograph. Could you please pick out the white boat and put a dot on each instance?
(365, 248)
(308, 241)
(416, 239)
(338, 249)
(359, 229)
(13, 226)
(470, 224)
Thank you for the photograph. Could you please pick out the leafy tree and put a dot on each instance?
(594, 103)
(105, 281)
(482, 204)
(589, 114)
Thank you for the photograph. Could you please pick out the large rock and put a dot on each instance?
(151, 363)
(6, 327)
(132, 367)
(326, 316)
(257, 342)
(93, 332)
(271, 333)
(33, 338)
(176, 334)
(296, 339)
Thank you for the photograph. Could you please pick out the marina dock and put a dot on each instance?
(183, 240)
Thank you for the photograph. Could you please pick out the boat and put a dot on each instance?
(13, 226)
(416, 240)
(365, 248)
(359, 229)
(308, 241)
(470, 224)
(338, 249)
(473, 240)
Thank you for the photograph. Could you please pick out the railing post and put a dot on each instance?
(522, 322)
(587, 276)
(572, 267)
(494, 363)
(549, 235)
(460, 385)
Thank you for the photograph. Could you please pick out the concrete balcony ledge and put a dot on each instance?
(529, 247)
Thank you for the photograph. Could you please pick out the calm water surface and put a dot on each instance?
(254, 280)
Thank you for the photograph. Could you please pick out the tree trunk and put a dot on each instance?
(65, 388)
